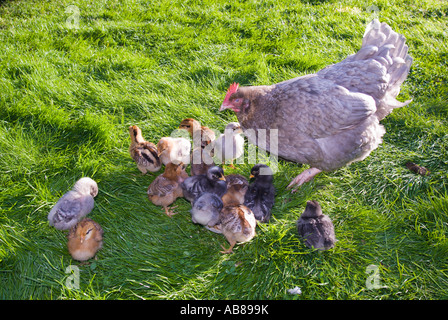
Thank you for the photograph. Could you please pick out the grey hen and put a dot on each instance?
(331, 118)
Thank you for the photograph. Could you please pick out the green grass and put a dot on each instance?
(67, 97)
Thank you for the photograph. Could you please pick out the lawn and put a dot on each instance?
(73, 80)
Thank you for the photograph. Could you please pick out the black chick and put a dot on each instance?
(261, 193)
(213, 182)
(315, 228)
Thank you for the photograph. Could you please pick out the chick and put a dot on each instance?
(143, 152)
(315, 228)
(230, 144)
(74, 205)
(202, 136)
(261, 193)
(165, 189)
(85, 239)
(174, 150)
(205, 211)
(237, 225)
(236, 189)
(200, 162)
(213, 182)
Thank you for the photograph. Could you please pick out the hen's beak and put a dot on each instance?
(225, 106)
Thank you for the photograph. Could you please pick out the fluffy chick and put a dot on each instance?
(74, 205)
(200, 162)
(143, 152)
(205, 211)
(230, 144)
(165, 189)
(315, 228)
(85, 239)
(201, 135)
(174, 150)
(237, 186)
(261, 193)
(213, 182)
(237, 225)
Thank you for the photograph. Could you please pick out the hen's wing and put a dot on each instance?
(315, 107)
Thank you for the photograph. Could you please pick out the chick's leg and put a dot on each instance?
(229, 250)
(231, 164)
(169, 211)
(305, 176)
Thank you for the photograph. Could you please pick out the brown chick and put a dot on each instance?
(237, 186)
(200, 162)
(202, 136)
(143, 152)
(237, 224)
(85, 239)
(165, 189)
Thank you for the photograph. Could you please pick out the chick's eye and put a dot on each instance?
(88, 231)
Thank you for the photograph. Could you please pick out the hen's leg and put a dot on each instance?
(305, 176)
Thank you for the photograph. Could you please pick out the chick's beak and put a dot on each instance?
(251, 176)
(82, 239)
(222, 178)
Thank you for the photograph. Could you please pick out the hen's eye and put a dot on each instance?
(237, 100)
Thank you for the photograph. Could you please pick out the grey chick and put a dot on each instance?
(74, 205)
(213, 182)
(205, 211)
(315, 228)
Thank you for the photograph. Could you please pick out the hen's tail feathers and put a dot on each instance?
(389, 48)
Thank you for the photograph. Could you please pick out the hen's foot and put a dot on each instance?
(305, 176)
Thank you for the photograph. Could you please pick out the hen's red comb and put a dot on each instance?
(232, 89)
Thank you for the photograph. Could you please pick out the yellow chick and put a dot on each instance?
(143, 152)
(165, 189)
(85, 239)
(174, 150)
(237, 224)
